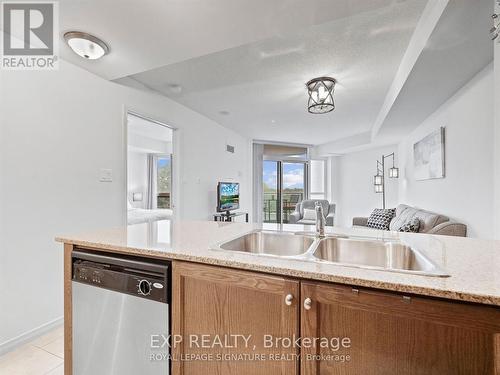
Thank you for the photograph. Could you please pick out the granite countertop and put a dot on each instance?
(473, 264)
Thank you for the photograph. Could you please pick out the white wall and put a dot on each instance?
(466, 193)
(353, 190)
(58, 129)
(137, 177)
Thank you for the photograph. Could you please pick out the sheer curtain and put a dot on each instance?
(258, 159)
(151, 190)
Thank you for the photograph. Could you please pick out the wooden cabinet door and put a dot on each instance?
(217, 302)
(392, 334)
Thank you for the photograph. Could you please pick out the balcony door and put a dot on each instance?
(284, 185)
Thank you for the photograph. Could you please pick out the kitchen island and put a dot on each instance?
(394, 322)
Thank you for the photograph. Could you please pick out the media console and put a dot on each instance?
(229, 216)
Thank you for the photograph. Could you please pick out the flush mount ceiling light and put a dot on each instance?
(86, 45)
(320, 92)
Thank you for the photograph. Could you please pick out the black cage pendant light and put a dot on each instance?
(320, 92)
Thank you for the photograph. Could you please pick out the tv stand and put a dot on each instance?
(229, 216)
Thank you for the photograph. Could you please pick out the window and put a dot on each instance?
(284, 185)
(163, 181)
(318, 180)
(282, 182)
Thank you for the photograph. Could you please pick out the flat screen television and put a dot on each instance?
(228, 196)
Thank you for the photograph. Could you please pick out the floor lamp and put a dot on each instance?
(379, 178)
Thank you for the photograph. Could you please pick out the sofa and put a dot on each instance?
(297, 217)
(430, 222)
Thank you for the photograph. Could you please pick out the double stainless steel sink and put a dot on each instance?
(387, 255)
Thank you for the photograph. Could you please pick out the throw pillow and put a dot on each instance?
(411, 225)
(309, 214)
(381, 218)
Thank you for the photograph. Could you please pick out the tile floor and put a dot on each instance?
(42, 356)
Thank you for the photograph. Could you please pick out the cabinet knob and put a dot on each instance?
(289, 299)
(307, 304)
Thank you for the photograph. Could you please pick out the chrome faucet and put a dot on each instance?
(320, 220)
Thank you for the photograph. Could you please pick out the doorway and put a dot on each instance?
(149, 170)
(284, 185)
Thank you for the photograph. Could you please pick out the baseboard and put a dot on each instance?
(12, 344)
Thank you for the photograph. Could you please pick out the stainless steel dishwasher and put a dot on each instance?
(120, 315)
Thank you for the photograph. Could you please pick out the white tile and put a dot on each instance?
(28, 360)
(57, 371)
(55, 347)
(48, 337)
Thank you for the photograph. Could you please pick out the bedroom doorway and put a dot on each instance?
(149, 170)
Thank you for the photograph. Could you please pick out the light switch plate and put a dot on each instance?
(106, 175)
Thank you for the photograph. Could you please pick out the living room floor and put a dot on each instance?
(42, 356)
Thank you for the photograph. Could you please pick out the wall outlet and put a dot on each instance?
(106, 175)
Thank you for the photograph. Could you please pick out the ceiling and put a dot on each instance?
(148, 34)
(244, 63)
(456, 51)
(258, 89)
(449, 47)
(148, 137)
(149, 129)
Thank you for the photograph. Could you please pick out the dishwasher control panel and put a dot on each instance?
(130, 278)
